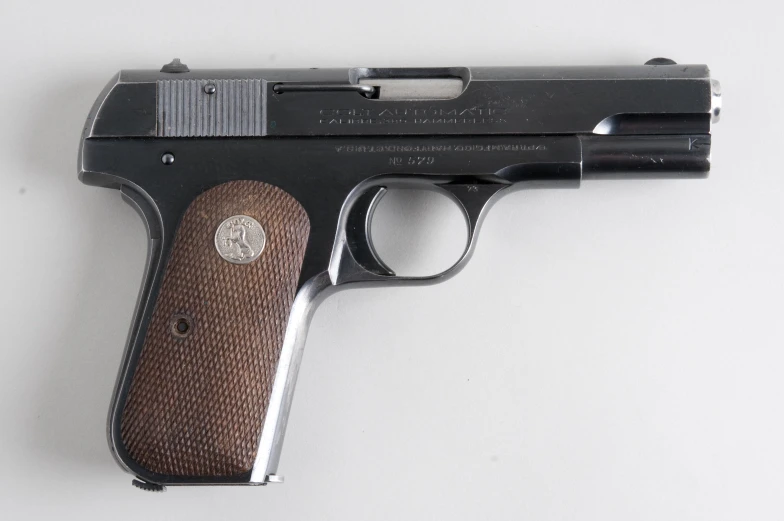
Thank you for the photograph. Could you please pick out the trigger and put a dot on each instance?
(358, 237)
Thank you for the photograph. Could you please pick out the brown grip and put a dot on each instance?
(201, 388)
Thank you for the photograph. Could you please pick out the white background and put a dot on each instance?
(610, 353)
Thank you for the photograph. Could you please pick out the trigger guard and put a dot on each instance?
(355, 259)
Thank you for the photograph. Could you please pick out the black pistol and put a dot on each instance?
(258, 187)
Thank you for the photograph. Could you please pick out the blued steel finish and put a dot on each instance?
(336, 147)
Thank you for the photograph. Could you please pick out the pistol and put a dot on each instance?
(258, 186)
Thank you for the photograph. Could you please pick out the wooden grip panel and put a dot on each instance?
(198, 397)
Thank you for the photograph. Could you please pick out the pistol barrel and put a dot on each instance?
(650, 156)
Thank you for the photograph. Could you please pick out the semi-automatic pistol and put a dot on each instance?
(258, 187)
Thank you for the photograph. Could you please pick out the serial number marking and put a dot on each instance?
(412, 160)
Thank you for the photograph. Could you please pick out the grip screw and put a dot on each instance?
(181, 325)
(209, 88)
(167, 158)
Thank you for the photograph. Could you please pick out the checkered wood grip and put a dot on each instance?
(201, 387)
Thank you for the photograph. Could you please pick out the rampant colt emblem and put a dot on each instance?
(240, 239)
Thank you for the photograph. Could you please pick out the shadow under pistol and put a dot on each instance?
(258, 186)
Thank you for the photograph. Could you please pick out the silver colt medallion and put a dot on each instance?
(240, 239)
